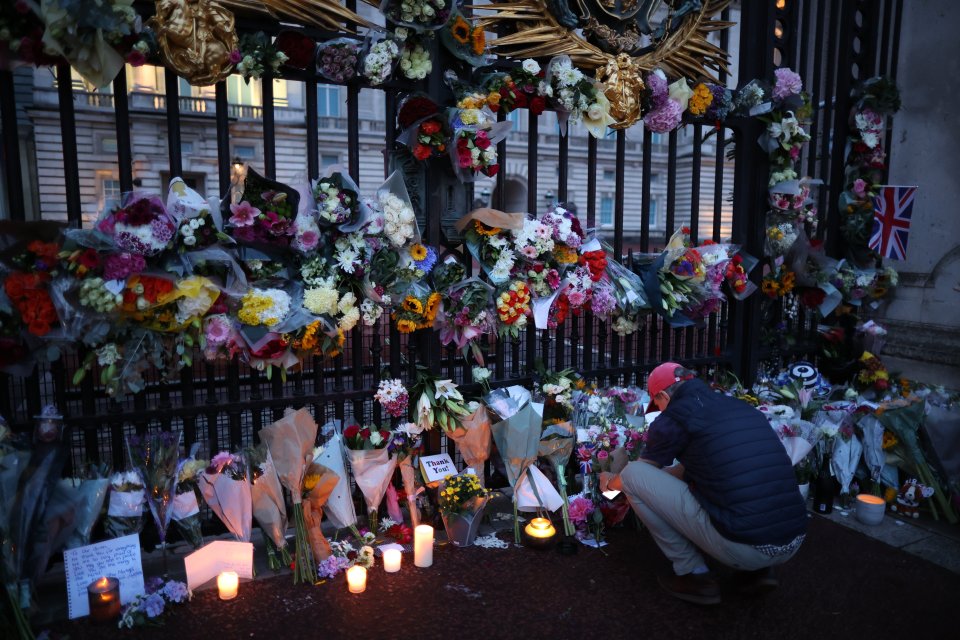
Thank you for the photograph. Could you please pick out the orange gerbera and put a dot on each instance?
(478, 41)
(460, 30)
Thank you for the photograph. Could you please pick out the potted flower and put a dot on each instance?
(462, 499)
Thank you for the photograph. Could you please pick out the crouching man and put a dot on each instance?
(733, 495)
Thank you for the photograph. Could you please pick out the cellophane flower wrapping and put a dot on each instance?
(372, 470)
(319, 483)
(125, 505)
(260, 212)
(94, 492)
(269, 507)
(556, 446)
(225, 486)
(419, 15)
(487, 234)
(290, 441)
(156, 457)
(141, 225)
(338, 59)
(340, 508)
(473, 148)
(474, 439)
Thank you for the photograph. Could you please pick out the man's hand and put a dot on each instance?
(675, 470)
(610, 482)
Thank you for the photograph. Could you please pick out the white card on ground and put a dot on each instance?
(209, 561)
(436, 468)
(118, 558)
(610, 495)
(592, 542)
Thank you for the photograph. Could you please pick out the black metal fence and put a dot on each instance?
(831, 43)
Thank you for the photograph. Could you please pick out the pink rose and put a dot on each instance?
(602, 455)
(235, 56)
(860, 187)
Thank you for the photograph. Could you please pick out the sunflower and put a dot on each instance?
(478, 41)
(309, 340)
(770, 287)
(460, 30)
(310, 481)
(412, 304)
(418, 252)
(406, 326)
(432, 303)
(341, 338)
(484, 230)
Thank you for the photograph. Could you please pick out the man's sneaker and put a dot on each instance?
(757, 583)
(698, 589)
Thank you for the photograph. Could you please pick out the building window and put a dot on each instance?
(609, 174)
(108, 144)
(654, 178)
(653, 212)
(606, 211)
(240, 92)
(329, 159)
(519, 124)
(655, 138)
(109, 194)
(328, 101)
(186, 148)
(244, 151)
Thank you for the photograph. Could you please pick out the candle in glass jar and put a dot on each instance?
(391, 560)
(227, 584)
(103, 596)
(423, 545)
(357, 579)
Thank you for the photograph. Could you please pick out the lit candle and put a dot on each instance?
(870, 508)
(423, 545)
(357, 579)
(391, 560)
(103, 595)
(227, 583)
(540, 532)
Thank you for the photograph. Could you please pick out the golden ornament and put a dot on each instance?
(622, 85)
(196, 38)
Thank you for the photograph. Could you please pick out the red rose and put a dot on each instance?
(537, 105)
(299, 49)
(365, 433)
(812, 297)
(481, 140)
(422, 152)
(414, 109)
(520, 101)
(351, 431)
(491, 170)
(385, 435)
(430, 127)
(89, 259)
(274, 348)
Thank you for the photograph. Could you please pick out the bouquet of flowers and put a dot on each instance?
(665, 103)
(873, 374)
(185, 509)
(513, 304)
(392, 396)
(199, 225)
(266, 307)
(261, 211)
(319, 483)
(521, 88)
(464, 40)
(290, 442)
(418, 310)
(337, 60)
(144, 609)
(156, 457)
(379, 60)
(125, 508)
(462, 499)
(371, 464)
(300, 50)
(225, 485)
(269, 507)
(487, 234)
(258, 54)
(93, 491)
(426, 138)
(141, 226)
(778, 283)
(417, 14)
(344, 555)
(340, 509)
(473, 435)
(475, 136)
(576, 97)
(338, 203)
(439, 402)
(627, 290)
(467, 315)
(399, 220)
(405, 443)
(415, 63)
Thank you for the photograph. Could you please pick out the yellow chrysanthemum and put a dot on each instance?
(565, 255)
(418, 252)
(701, 99)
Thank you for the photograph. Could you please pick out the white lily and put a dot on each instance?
(447, 389)
(425, 412)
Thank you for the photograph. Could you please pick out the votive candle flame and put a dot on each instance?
(357, 579)
(227, 584)
(103, 597)
(391, 560)
(423, 545)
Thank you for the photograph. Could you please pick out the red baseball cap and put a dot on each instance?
(661, 378)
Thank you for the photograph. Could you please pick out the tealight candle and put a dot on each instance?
(103, 595)
(227, 584)
(391, 560)
(870, 508)
(540, 532)
(423, 545)
(357, 579)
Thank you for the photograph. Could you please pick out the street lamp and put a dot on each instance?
(236, 169)
(548, 196)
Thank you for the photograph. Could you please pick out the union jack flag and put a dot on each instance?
(892, 210)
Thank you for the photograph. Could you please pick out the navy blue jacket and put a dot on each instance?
(736, 466)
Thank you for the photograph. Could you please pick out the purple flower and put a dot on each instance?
(860, 187)
(665, 119)
(235, 56)
(175, 591)
(153, 605)
(153, 584)
(658, 90)
(788, 84)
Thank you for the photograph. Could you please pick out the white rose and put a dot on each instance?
(531, 66)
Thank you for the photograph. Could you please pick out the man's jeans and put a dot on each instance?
(679, 524)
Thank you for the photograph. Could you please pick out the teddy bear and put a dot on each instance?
(908, 500)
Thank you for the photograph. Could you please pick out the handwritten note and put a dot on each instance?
(436, 468)
(212, 559)
(118, 558)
